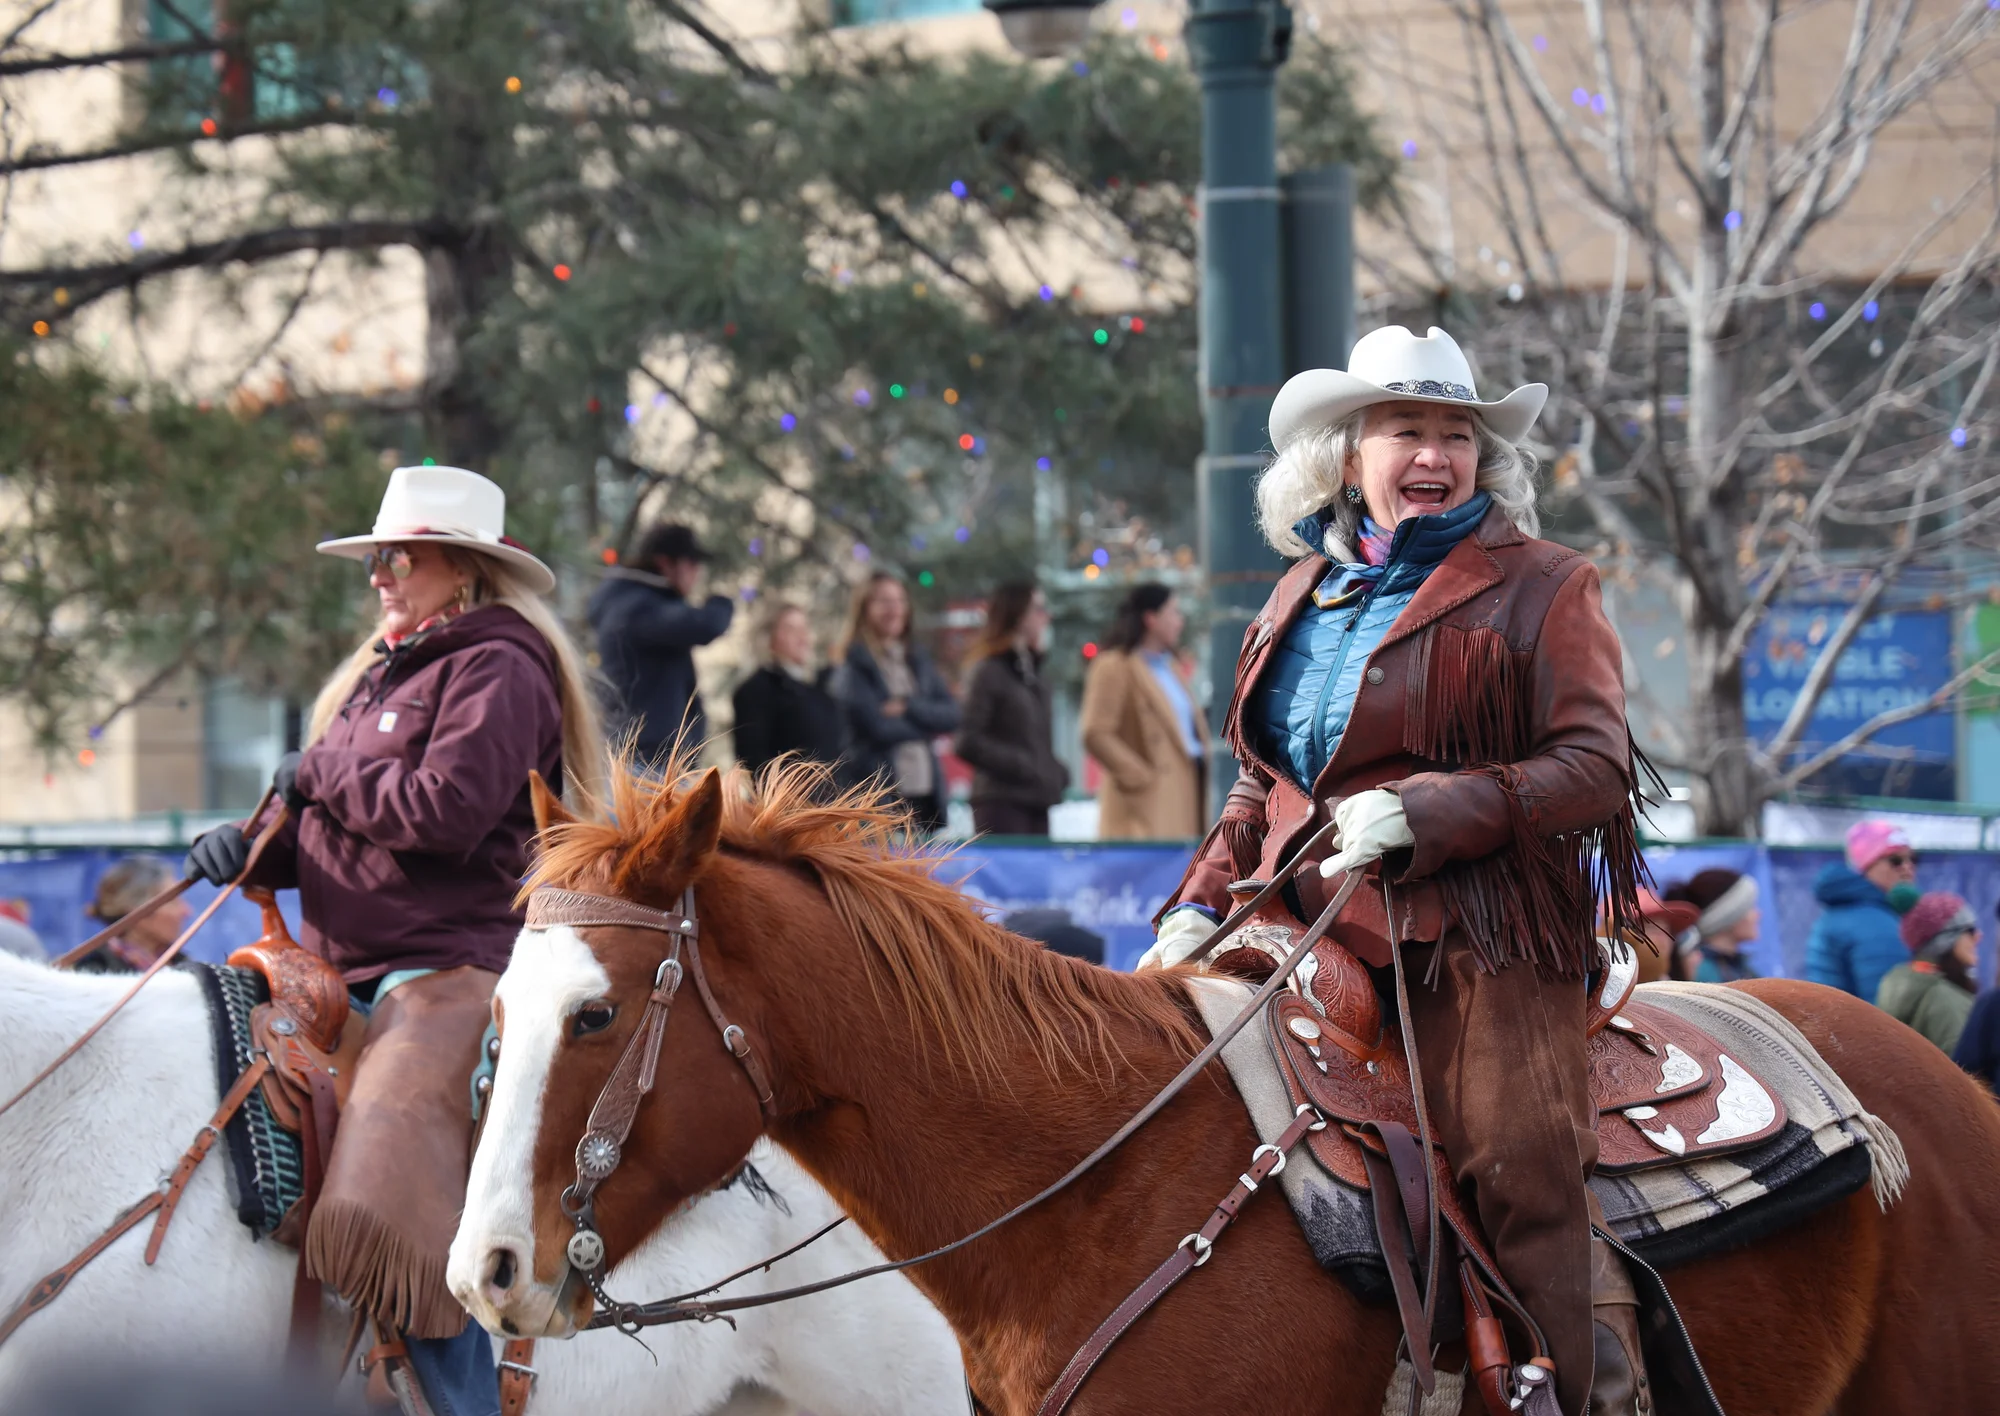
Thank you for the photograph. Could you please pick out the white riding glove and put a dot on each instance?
(1181, 938)
(1370, 824)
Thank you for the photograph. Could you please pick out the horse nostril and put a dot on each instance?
(503, 1270)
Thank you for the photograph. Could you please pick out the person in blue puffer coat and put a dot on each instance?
(1856, 940)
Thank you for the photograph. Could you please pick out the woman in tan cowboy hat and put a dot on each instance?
(1446, 688)
(408, 838)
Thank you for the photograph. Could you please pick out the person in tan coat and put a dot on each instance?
(1141, 722)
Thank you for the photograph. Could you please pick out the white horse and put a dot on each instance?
(102, 1132)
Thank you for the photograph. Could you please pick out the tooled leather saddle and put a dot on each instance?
(1666, 1093)
(313, 1038)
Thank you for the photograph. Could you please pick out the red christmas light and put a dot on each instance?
(562, 272)
(208, 127)
(1090, 650)
(1138, 325)
(965, 442)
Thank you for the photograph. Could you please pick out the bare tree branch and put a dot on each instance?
(12, 68)
(1791, 778)
(35, 161)
(87, 283)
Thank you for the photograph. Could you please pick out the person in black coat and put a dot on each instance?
(1006, 734)
(894, 701)
(647, 621)
(784, 706)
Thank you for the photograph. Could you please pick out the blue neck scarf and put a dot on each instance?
(1416, 548)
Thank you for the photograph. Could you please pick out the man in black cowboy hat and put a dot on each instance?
(647, 621)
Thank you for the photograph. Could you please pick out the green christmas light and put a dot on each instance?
(926, 579)
(1102, 337)
(895, 390)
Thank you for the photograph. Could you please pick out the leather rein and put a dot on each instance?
(600, 1150)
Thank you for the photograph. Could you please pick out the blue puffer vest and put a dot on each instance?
(1302, 705)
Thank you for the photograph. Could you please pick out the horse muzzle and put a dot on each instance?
(500, 1291)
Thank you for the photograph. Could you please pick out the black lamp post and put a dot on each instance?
(1236, 47)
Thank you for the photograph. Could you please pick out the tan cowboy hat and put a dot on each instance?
(453, 507)
(1391, 365)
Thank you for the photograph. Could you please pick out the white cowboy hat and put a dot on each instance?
(1391, 365)
(453, 507)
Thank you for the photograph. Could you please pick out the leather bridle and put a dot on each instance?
(602, 1146)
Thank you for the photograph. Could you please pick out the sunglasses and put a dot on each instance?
(1896, 860)
(394, 559)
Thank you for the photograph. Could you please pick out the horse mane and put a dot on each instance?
(964, 980)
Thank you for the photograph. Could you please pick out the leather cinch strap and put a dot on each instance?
(1190, 1254)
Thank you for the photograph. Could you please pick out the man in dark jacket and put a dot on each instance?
(647, 621)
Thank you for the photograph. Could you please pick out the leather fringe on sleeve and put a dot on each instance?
(1541, 899)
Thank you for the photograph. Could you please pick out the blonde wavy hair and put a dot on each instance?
(584, 756)
(1307, 474)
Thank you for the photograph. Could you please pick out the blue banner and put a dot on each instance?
(1111, 890)
(1897, 660)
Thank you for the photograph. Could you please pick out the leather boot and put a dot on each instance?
(1618, 1383)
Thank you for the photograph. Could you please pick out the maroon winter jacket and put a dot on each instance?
(416, 835)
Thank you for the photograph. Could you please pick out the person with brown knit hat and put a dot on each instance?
(1933, 991)
(1729, 919)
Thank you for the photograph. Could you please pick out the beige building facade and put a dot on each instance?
(344, 325)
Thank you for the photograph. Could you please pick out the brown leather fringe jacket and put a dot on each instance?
(1495, 707)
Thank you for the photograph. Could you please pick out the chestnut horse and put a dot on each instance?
(932, 1071)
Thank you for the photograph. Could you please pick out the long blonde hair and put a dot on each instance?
(859, 631)
(496, 583)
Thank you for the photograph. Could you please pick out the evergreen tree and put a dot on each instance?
(841, 304)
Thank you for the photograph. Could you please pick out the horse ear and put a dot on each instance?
(549, 810)
(685, 836)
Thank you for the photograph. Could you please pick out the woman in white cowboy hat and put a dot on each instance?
(1447, 688)
(407, 841)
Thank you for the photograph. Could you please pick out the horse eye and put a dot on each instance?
(593, 1018)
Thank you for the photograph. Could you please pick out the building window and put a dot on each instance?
(869, 12)
(243, 736)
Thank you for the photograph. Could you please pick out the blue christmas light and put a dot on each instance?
(749, 593)
(386, 97)
(1409, 147)
(862, 398)
(860, 551)
(756, 545)
(1958, 437)
(1045, 292)
(787, 421)
(1100, 557)
(632, 413)
(1580, 97)
(958, 190)
(1817, 310)
(1042, 464)
(1597, 103)
(1080, 69)
(1541, 44)
(1870, 310)
(1732, 220)
(917, 543)
(962, 535)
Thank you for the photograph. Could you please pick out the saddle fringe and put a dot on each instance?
(355, 1251)
(1889, 1164)
(1446, 1398)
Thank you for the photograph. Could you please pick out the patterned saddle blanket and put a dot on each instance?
(1718, 1122)
(266, 1166)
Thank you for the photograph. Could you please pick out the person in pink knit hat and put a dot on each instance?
(1855, 940)
(1932, 990)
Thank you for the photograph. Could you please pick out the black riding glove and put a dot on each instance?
(218, 856)
(286, 781)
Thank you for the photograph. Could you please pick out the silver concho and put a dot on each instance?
(1668, 1139)
(1679, 1070)
(1621, 966)
(1304, 1029)
(597, 1155)
(586, 1250)
(1743, 1109)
